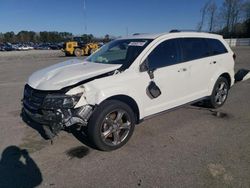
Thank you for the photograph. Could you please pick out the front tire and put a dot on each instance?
(220, 93)
(111, 125)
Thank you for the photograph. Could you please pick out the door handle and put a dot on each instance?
(182, 70)
(214, 62)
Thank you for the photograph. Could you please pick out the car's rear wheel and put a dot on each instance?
(220, 93)
(111, 125)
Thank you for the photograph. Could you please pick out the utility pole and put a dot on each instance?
(127, 30)
(85, 16)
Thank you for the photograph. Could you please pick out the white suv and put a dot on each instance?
(128, 80)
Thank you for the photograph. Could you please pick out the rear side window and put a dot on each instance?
(165, 54)
(216, 47)
(193, 48)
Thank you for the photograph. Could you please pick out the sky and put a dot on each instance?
(100, 17)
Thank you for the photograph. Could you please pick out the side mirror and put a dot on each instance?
(153, 91)
(144, 66)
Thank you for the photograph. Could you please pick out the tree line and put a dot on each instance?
(231, 19)
(36, 37)
(45, 37)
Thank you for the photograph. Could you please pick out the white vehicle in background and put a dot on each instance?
(24, 47)
(128, 80)
(30, 47)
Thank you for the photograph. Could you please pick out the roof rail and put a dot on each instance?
(174, 31)
(139, 34)
(184, 30)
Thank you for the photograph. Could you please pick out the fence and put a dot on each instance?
(238, 42)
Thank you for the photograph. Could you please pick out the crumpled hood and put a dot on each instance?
(67, 73)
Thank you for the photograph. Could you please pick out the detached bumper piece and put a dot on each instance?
(56, 119)
(241, 75)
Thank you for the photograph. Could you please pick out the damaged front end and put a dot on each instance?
(55, 110)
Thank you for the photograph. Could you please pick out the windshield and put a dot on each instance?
(123, 52)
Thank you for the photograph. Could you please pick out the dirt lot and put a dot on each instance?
(187, 147)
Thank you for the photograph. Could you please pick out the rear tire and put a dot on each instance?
(111, 125)
(220, 93)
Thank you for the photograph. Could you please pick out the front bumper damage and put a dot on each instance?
(54, 119)
(63, 117)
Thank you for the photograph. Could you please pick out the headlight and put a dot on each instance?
(56, 101)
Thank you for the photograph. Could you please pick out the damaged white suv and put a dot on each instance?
(128, 80)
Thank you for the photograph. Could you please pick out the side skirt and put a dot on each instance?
(172, 109)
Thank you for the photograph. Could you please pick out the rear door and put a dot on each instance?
(196, 56)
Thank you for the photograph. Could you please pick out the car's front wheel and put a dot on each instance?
(220, 93)
(111, 125)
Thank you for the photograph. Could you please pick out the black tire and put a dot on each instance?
(67, 54)
(78, 52)
(219, 94)
(104, 130)
(89, 52)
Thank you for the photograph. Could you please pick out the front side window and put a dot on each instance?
(122, 52)
(193, 48)
(165, 54)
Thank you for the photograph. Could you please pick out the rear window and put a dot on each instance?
(194, 48)
(216, 47)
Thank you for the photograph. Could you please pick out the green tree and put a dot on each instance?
(106, 38)
(44, 36)
(1, 37)
(9, 37)
(231, 13)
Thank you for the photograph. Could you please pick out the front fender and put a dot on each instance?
(95, 96)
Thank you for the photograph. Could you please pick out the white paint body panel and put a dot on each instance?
(67, 73)
(177, 87)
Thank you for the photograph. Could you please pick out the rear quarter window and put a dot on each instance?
(216, 47)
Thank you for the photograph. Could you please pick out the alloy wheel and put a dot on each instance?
(115, 127)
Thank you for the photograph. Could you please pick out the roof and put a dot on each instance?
(144, 36)
(176, 34)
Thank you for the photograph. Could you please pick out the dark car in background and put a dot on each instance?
(2, 47)
(55, 46)
(6, 47)
(42, 46)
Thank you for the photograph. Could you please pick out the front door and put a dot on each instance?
(170, 75)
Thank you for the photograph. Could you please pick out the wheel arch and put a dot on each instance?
(129, 101)
(220, 73)
(227, 77)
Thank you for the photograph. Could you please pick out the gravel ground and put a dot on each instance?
(188, 147)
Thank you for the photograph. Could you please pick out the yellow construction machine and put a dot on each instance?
(77, 47)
